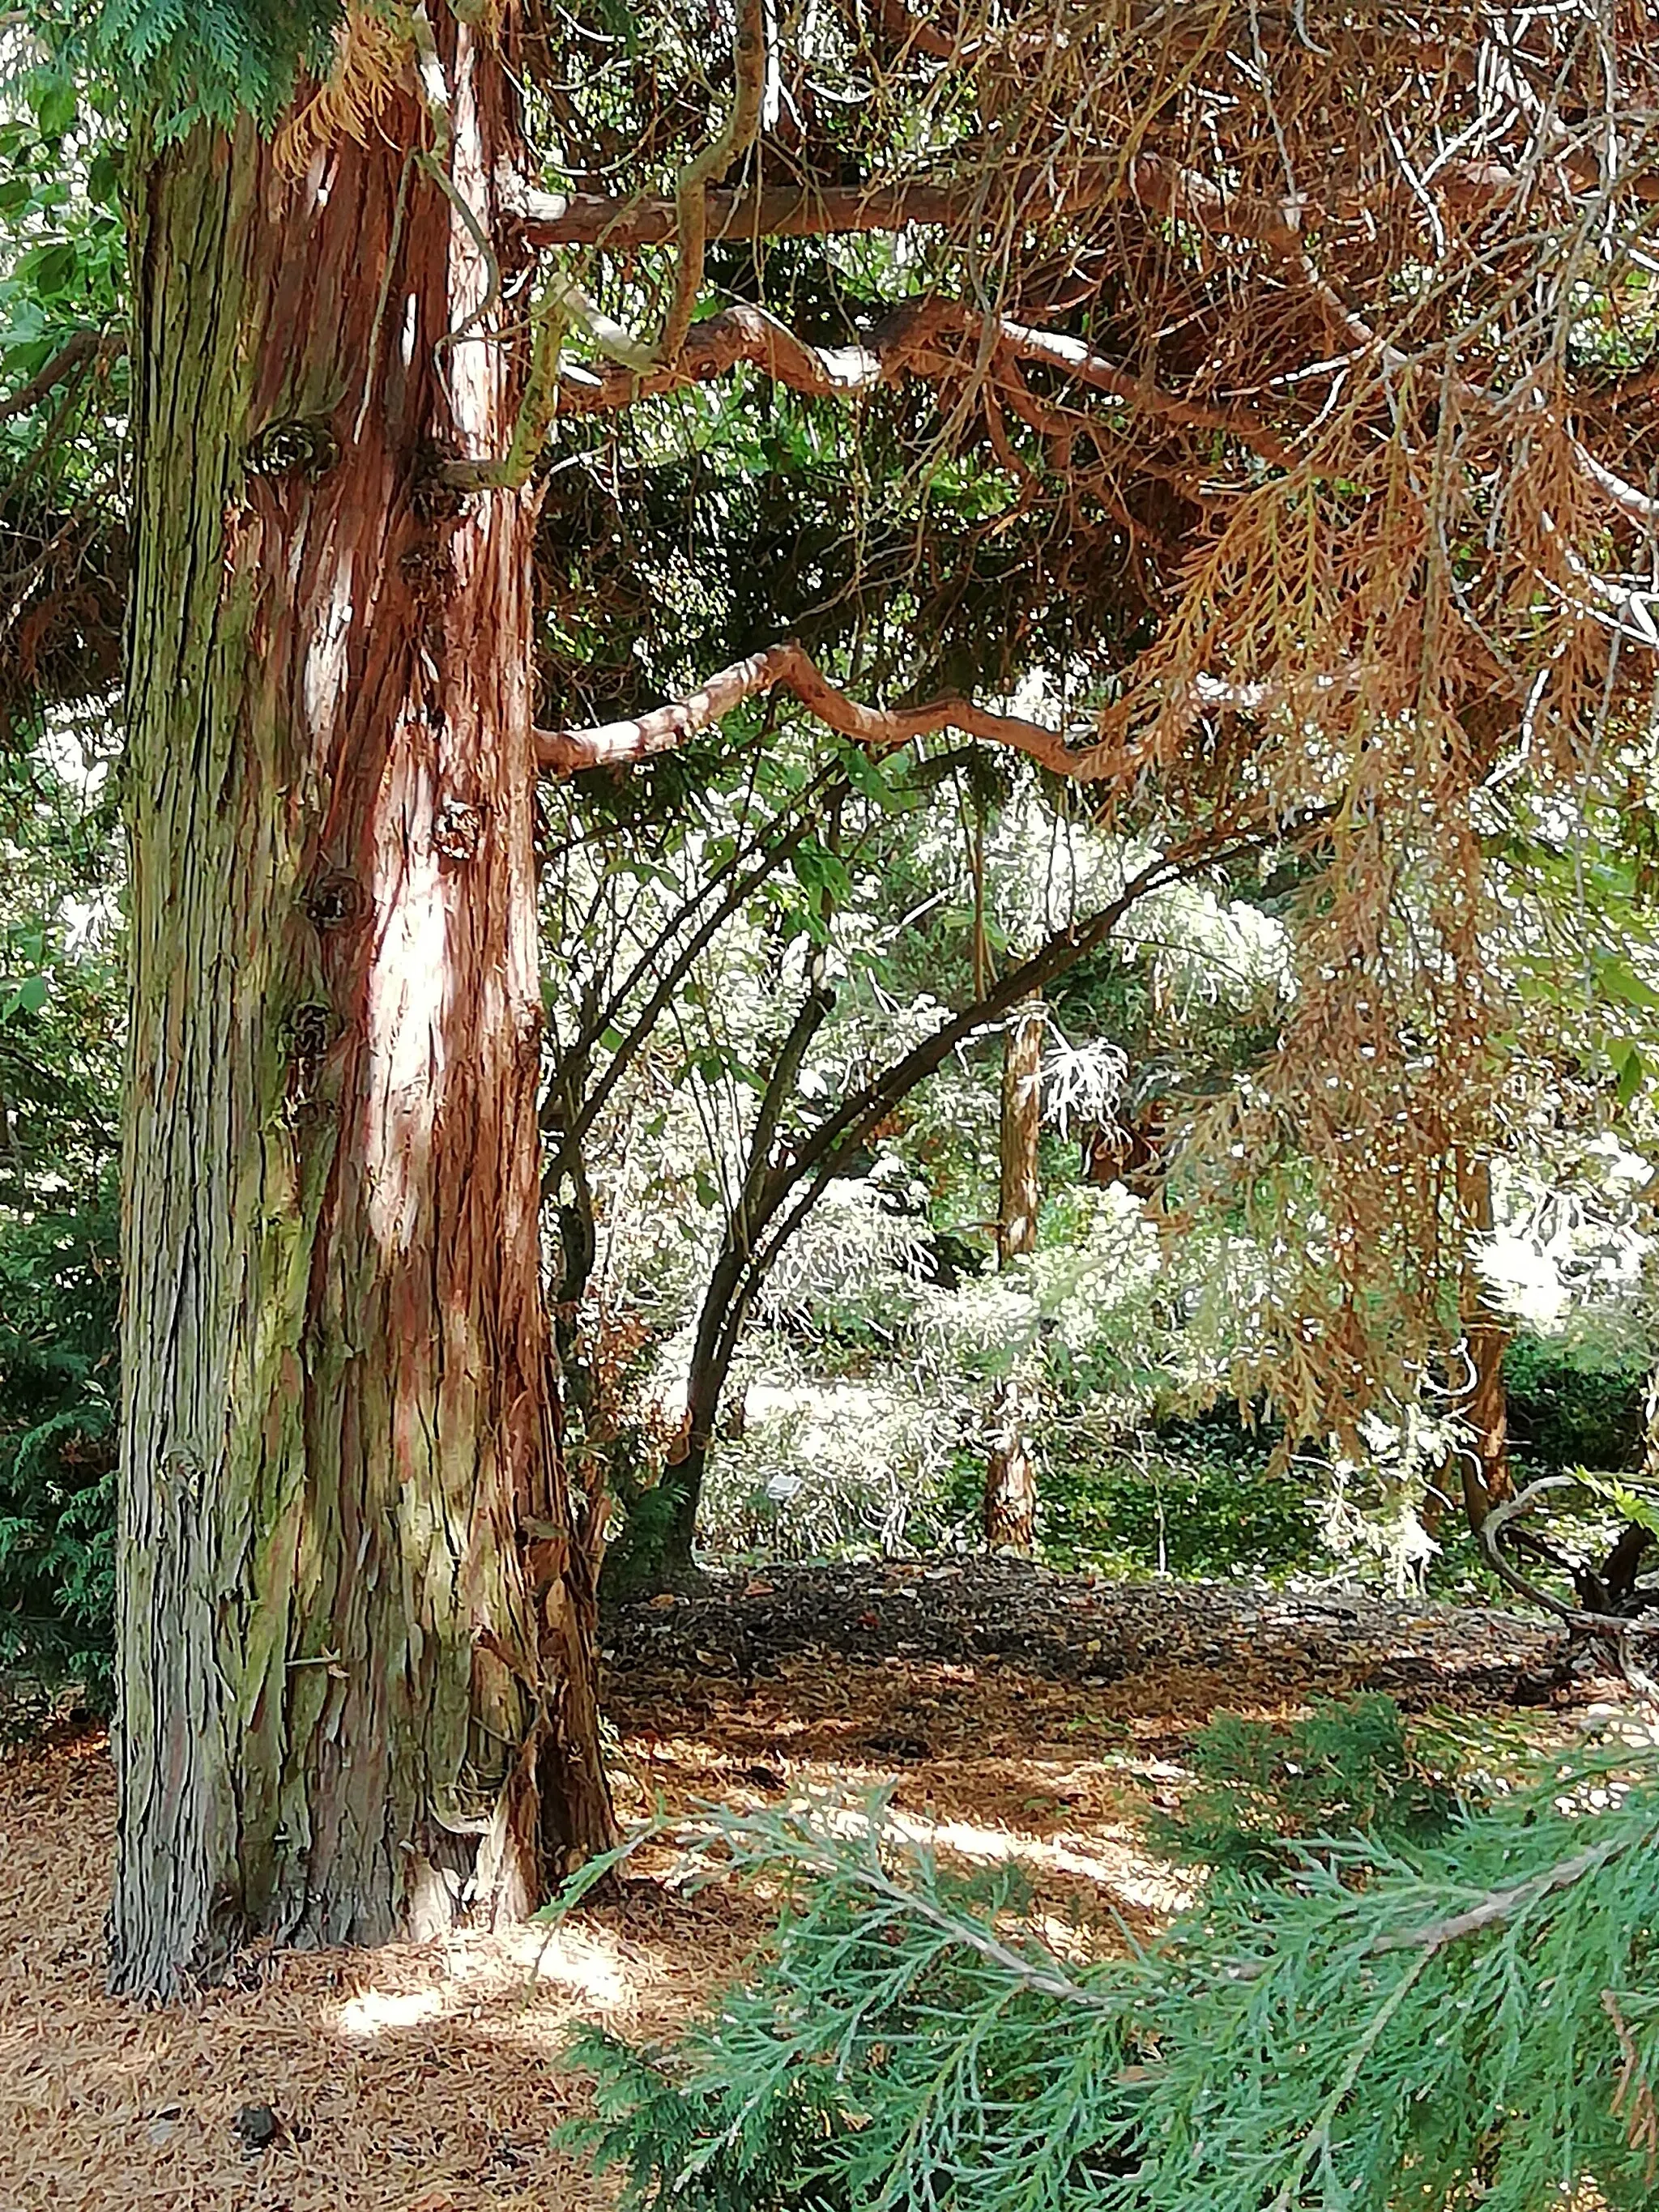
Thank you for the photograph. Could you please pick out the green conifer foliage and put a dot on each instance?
(181, 62)
(1470, 2020)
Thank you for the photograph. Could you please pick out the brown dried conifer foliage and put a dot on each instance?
(1319, 338)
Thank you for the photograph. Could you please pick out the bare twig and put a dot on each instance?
(85, 349)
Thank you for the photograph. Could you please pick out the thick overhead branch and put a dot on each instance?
(1034, 192)
(715, 346)
(1031, 191)
(789, 668)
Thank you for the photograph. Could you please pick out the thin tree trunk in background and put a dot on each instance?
(1620, 1570)
(1483, 1404)
(1010, 1504)
(1010, 1495)
(355, 1616)
(1021, 1187)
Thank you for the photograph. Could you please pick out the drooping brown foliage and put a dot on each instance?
(1326, 332)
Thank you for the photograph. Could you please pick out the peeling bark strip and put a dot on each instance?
(353, 1606)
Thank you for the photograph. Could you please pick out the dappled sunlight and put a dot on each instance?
(1127, 1874)
(520, 1967)
(432, 2074)
(375, 2010)
(419, 2074)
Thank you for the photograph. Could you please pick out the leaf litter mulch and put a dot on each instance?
(1017, 1715)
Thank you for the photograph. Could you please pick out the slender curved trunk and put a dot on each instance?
(720, 1321)
(355, 1643)
(1009, 1512)
(1484, 1403)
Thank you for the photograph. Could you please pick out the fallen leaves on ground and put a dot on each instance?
(1017, 1715)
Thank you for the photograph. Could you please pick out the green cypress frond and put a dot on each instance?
(1415, 2025)
(178, 63)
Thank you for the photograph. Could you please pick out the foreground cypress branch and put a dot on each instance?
(1422, 2026)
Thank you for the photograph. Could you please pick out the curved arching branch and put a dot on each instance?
(789, 667)
(928, 337)
(1081, 755)
(709, 167)
(1624, 1631)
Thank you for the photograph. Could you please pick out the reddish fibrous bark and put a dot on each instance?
(1021, 1187)
(355, 1607)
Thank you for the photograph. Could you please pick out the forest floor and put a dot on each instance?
(1019, 1714)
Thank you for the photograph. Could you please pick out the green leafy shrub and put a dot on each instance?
(634, 1557)
(1264, 1791)
(1181, 1512)
(60, 1299)
(1575, 1404)
(1196, 1497)
(1425, 2024)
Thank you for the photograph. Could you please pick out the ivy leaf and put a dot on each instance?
(1629, 1068)
(50, 269)
(27, 997)
(1643, 1511)
(1619, 982)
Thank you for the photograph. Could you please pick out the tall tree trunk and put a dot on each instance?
(1484, 1402)
(356, 1647)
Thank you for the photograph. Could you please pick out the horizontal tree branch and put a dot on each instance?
(927, 338)
(713, 347)
(788, 667)
(1034, 192)
(1031, 191)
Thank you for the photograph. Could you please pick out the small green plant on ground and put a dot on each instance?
(1348, 1768)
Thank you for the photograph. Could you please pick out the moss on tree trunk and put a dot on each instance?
(355, 1645)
